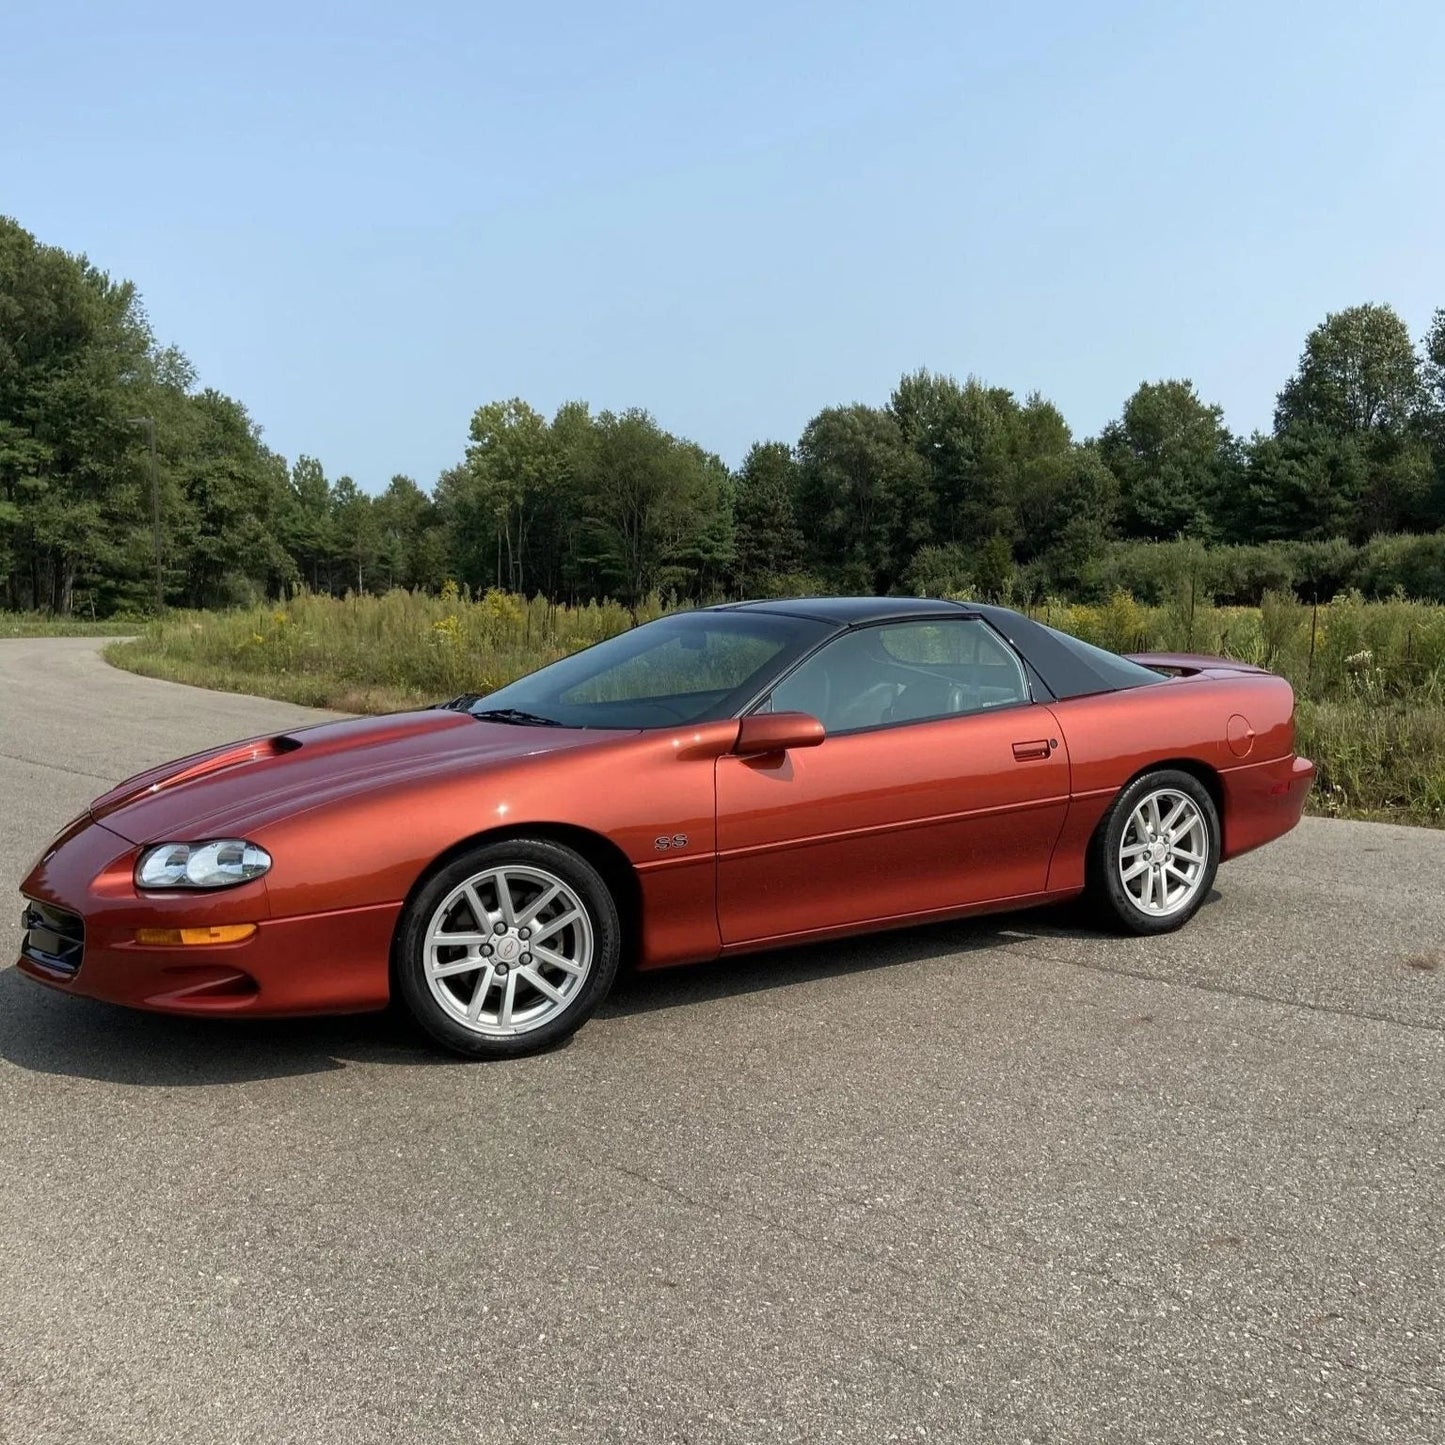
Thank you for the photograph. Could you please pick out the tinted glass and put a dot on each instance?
(692, 667)
(904, 672)
(1112, 669)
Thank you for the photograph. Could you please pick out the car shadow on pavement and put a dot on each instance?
(45, 1032)
(645, 992)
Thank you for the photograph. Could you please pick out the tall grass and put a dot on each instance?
(1338, 650)
(368, 654)
(1370, 676)
(45, 624)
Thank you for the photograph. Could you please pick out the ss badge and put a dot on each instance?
(675, 840)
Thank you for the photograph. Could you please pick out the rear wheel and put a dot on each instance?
(508, 949)
(1155, 855)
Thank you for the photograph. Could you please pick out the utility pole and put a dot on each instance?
(149, 423)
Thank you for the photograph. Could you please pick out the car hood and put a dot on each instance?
(240, 787)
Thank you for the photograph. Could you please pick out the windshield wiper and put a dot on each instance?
(516, 715)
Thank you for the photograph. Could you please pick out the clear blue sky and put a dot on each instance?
(364, 220)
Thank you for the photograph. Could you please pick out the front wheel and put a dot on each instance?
(508, 949)
(1155, 855)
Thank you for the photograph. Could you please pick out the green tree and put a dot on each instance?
(1082, 522)
(1304, 484)
(76, 361)
(865, 492)
(969, 442)
(1174, 457)
(405, 519)
(354, 533)
(233, 491)
(512, 471)
(563, 560)
(768, 539)
(1432, 374)
(1358, 398)
(1358, 373)
(654, 506)
(306, 523)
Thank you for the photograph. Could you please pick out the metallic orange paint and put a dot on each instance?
(869, 830)
(761, 733)
(877, 825)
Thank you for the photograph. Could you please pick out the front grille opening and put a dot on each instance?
(53, 937)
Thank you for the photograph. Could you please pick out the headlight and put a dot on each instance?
(201, 865)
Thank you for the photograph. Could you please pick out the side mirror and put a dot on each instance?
(777, 732)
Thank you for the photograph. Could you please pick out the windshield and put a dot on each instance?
(688, 668)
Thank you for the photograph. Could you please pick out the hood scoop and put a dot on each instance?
(171, 775)
(229, 790)
(253, 752)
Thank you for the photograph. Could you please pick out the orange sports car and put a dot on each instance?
(716, 782)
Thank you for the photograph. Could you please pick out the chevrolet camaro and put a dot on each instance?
(717, 782)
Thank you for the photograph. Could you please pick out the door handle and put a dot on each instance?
(1032, 751)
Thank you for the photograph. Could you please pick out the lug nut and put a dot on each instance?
(486, 950)
(524, 933)
(499, 928)
(525, 959)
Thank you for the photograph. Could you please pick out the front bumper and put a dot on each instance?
(329, 962)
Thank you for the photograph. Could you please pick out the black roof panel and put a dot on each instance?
(1067, 667)
(850, 611)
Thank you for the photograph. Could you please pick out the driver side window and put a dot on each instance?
(903, 672)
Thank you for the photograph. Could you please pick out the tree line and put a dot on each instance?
(947, 487)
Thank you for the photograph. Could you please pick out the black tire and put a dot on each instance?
(1112, 901)
(440, 1016)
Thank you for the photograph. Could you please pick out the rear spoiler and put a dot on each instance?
(1189, 664)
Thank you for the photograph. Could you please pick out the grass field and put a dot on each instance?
(1370, 676)
(40, 624)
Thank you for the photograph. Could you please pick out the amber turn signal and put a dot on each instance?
(221, 933)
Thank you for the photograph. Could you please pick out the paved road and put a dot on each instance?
(997, 1182)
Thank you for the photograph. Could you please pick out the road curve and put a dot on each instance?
(979, 1182)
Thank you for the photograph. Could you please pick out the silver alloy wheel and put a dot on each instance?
(508, 950)
(1164, 852)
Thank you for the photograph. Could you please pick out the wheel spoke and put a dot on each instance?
(479, 998)
(459, 965)
(1177, 812)
(553, 924)
(537, 905)
(557, 960)
(1163, 852)
(504, 899)
(480, 914)
(490, 910)
(541, 984)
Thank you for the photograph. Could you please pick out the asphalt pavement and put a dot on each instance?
(1000, 1181)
